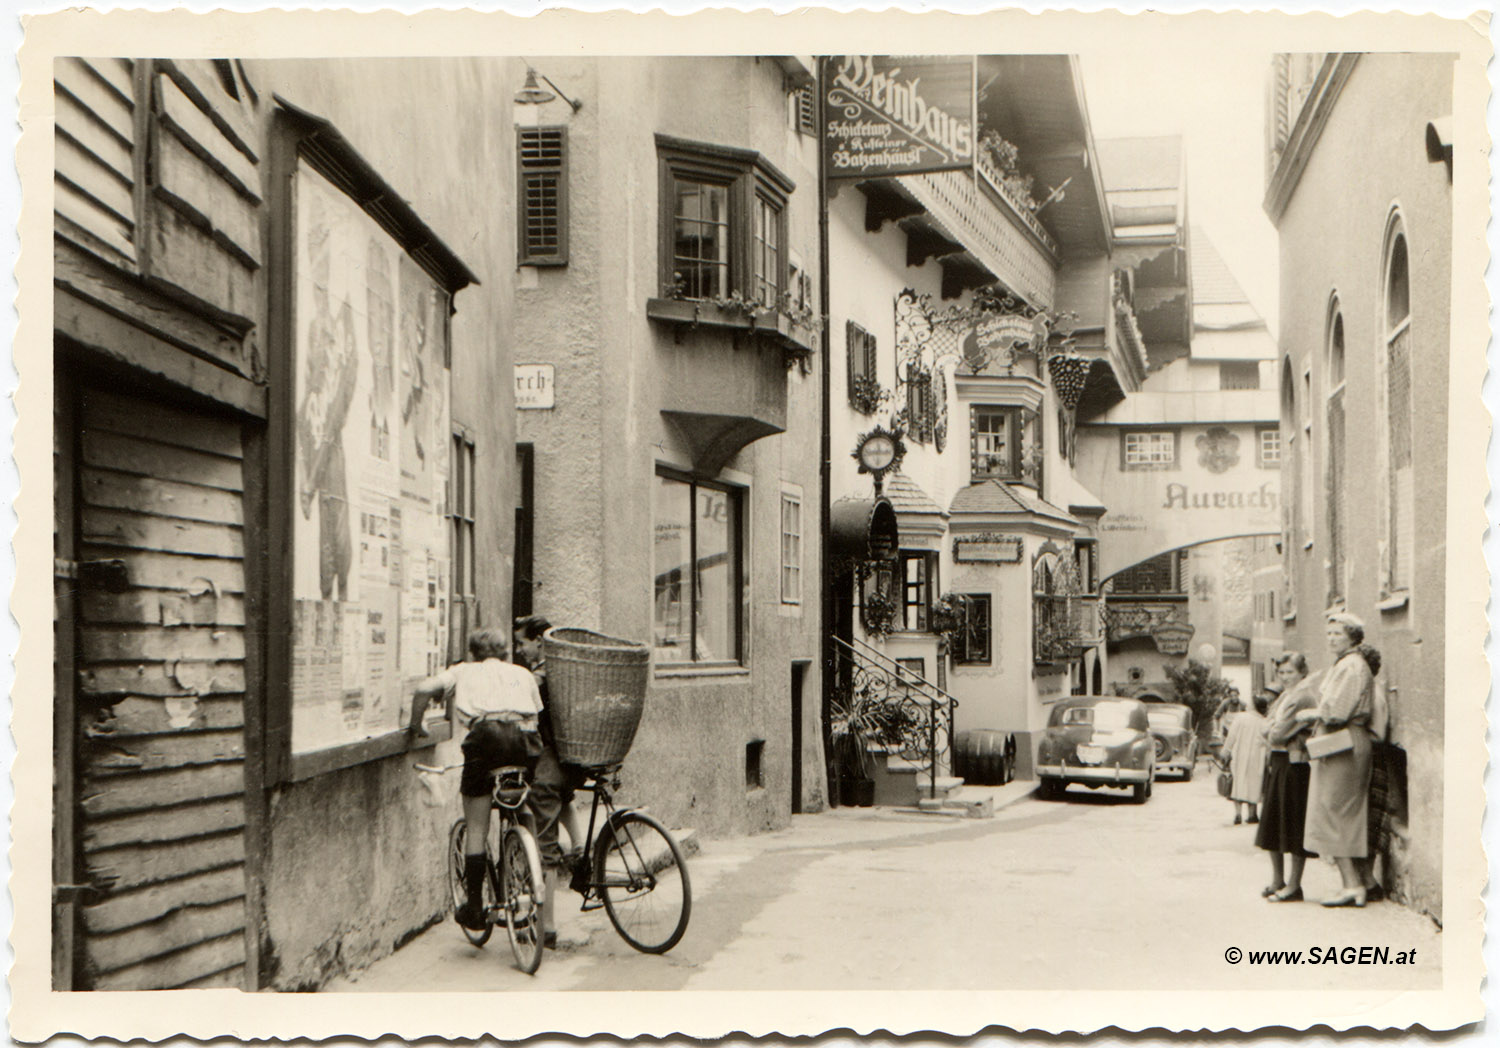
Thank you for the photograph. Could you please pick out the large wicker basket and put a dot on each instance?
(596, 689)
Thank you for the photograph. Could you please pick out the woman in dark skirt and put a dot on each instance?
(1284, 795)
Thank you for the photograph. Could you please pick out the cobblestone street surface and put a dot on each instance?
(1091, 892)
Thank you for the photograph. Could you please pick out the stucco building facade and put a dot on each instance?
(986, 499)
(1365, 296)
(676, 484)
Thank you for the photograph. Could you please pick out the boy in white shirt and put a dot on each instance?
(498, 702)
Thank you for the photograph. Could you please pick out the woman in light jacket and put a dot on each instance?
(1284, 797)
(1338, 805)
(1245, 746)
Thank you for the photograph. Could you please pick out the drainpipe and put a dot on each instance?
(825, 441)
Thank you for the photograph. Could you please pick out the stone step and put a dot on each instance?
(955, 803)
(945, 786)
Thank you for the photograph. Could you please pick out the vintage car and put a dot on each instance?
(1095, 741)
(1175, 738)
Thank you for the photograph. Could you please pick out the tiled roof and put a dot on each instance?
(1140, 163)
(1213, 283)
(995, 496)
(907, 497)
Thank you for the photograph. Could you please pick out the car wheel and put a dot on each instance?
(1187, 774)
(1050, 789)
(1140, 791)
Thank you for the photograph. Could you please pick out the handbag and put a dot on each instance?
(1320, 746)
(1226, 783)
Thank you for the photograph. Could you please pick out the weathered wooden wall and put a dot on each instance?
(161, 696)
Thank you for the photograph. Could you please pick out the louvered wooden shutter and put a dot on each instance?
(542, 236)
(805, 115)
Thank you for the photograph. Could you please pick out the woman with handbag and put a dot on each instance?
(1283, 813)
(1338, 802)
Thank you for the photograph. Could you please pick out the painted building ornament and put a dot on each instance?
(1218, 450)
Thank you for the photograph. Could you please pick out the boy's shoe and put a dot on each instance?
(549, 939)
(471, 917)
(579, 882)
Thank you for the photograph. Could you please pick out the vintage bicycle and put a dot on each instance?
(636, 870)
(513, 867)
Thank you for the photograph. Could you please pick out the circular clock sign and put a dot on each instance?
(876, 452)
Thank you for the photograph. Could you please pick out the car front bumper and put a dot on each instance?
(1093, 773)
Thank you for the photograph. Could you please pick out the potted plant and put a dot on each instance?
(879, 614)
(950, 616)
(850, 732)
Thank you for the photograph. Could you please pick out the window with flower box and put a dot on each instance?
(723, 223)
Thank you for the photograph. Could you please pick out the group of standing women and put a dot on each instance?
(1320, 805)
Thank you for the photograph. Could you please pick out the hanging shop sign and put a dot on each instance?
(536, 387)
(371, 461)
(987, 549)
(898, 115)
(1172, 638)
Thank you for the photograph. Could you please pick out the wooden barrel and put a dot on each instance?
(984, 757)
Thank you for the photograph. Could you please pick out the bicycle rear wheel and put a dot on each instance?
(456, 888)
(521, 889)
(640, 872)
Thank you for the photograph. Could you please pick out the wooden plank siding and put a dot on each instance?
(205, 231)
(161, 695)
(94, 174)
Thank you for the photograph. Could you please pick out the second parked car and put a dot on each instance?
(1176, 739)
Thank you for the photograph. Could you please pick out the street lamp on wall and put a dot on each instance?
(533, 94)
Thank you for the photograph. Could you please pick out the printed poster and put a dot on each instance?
(369, 532)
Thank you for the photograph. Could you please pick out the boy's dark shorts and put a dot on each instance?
(493, 744)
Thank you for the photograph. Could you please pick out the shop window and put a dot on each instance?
(1149, 449)
(699, 571)
(1397, 481)
(724, 223)
(791, 549)
(994, 443)
(972, 644)
(1239, 374)
(918, 573)
(542, 154)
(463, 591)
(1268, 447)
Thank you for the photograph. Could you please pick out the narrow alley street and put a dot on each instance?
(1145, 897)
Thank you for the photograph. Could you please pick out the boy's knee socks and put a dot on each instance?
(474, 879)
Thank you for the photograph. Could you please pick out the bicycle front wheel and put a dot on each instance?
(521, 888)
(457, 890)
(641, 874)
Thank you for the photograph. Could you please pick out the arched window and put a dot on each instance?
(1396, 523)
(1334, 476)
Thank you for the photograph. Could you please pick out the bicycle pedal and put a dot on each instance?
(591, 904)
